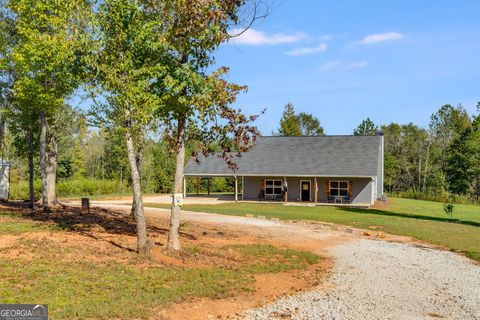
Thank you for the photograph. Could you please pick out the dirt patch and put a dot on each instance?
(268, 287)
(106, 236)
(382, 204)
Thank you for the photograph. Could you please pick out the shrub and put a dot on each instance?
(437, 197)
(71, 188)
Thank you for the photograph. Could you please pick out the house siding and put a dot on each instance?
(361, 191)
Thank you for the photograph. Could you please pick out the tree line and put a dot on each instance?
(440, 162)
(145, 64)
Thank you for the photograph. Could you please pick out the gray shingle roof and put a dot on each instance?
(354, 156)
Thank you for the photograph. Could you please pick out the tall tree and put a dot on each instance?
(198, 103)
(365, 128)
(309, 125)
(46, 59)
(289, 124)
(302, 124)
(128, 61)
(473, 149)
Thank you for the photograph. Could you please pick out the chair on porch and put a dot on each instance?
(261, 195)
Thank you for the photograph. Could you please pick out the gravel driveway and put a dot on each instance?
(382, 280)
(371, 279)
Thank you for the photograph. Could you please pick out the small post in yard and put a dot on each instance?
(85, 205)
(184, 187)
(236, 189)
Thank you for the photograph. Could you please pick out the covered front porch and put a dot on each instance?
(292, 190)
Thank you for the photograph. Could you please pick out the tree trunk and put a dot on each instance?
(142, 241)
(43, 158)
(31, 191)
(138, 160)
(173, 234)
(51, 172)
(425, 174)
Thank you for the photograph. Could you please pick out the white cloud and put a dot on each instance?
(380, 37)
(322, 47)
(330, 66)
(342, 65)
(356, 65)
(255, 37)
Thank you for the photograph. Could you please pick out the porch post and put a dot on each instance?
(243, 186)
(184, 187)
(198, 184)
(208, 185)
(286, 189)
(236, 189)
(315, 188)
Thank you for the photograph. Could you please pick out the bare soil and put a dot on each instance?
(107, 235)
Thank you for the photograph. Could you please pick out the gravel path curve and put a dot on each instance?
(382, 280)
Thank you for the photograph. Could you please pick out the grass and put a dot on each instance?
(44, 269)
(422, 220)
(10, 223)
(271, 259)
(80, 290)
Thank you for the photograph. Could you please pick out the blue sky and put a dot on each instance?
(343, 61)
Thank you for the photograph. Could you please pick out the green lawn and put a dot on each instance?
(422, 220)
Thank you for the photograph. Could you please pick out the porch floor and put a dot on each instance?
(224, 198)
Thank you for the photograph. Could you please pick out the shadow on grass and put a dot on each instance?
(74, 220)
(410, 216)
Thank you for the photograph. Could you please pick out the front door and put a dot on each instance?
(305, 190)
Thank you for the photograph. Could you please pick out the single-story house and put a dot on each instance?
(324, 169)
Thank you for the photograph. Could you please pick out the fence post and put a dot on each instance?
(85, 205)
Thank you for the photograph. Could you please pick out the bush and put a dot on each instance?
(437, 197)
(71, 188)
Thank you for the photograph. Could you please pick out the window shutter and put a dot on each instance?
(350, 188)
(327, 188)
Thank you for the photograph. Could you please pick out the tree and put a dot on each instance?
(46, 59)
(289, 124)
(365, 128)
(458, 164)
(128, 62)
(473, 149)
(199, 104)
(309, 125)
(302, 124)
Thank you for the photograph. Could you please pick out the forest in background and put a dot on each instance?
(440, 162)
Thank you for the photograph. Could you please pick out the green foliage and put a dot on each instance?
(448, 208)
(289, 125)
(365, 128)
(302, 124)
(77, 187)
(432, 164)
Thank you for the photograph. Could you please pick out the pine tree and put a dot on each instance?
(365, 128)
(289, 124)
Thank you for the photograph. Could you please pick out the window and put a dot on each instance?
(273, 187)
(339, 188)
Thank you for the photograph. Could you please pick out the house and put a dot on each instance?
(325, 169)
(4, 180)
